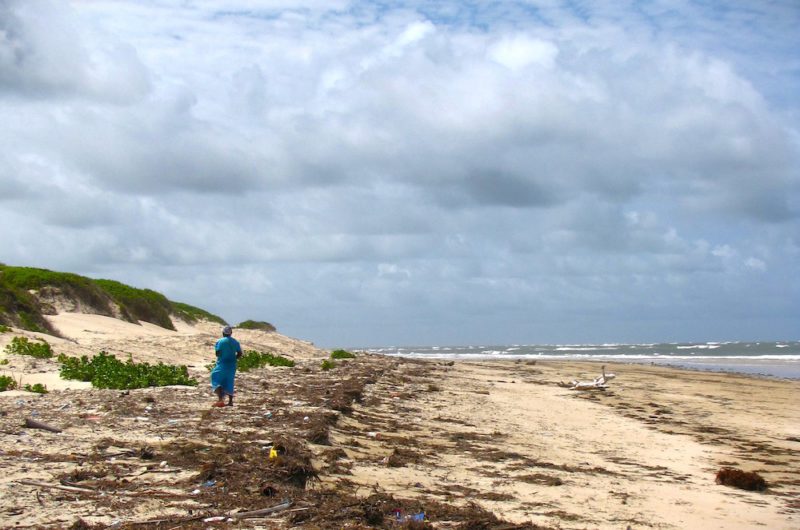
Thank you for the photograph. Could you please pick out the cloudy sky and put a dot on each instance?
(396, 173)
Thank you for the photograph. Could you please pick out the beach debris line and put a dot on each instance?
(599, 383)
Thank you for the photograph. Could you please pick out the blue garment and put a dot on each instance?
(224, 372)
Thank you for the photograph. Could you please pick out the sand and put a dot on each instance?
(382, 433)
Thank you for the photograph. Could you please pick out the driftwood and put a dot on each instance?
(599, 383)
(211, 518)
(33, 424)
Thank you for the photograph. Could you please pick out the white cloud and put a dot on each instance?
(519, 154)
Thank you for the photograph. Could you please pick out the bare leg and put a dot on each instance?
(219, 392)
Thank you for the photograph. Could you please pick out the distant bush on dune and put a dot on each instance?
(255, 324)
(342, 354)
(193, 314)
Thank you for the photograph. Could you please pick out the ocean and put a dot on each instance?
(773, 359)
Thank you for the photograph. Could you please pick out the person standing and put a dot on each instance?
(228, 351)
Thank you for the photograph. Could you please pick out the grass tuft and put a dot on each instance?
(327, 364)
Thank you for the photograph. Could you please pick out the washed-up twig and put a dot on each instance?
(265, 511)
(77, 489)
(242, 515)
(33, 424)
(162, 521)
(74, 489)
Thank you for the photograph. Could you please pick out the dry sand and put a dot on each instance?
(383, 434)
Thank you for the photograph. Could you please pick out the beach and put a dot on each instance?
(489, 444)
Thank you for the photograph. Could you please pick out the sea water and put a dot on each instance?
(774, 359)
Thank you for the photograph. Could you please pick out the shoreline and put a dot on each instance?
(781, 369)
(432, 436)
(653, 442)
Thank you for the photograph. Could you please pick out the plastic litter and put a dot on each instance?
(398, 514)
(209, 483)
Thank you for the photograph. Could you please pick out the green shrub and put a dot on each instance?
(7, 383)
(4, 328)
(38, 388)
(106, 371)
(190, 313)
(328, 365)
(342, 354)
(252, 359)
(255, 324)
(140, 304)
(3, 362)
(19, 308)
(22, 346)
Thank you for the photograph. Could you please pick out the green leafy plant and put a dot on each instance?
(328, 365)
(4, 328)
(342, 354)
(256, 324)
(106, 371)
(23, 346)
(3, 362)
(7, 383)
(38, 388)
(252, 359)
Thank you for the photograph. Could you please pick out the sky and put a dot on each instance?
(415, 173)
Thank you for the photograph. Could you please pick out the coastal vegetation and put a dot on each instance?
(192, 314)
(342, 354)
(7, 383)
(23, 346)
(327, 365)
(257, 325)
(27, 293)
(252, 359)
(106, 371)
